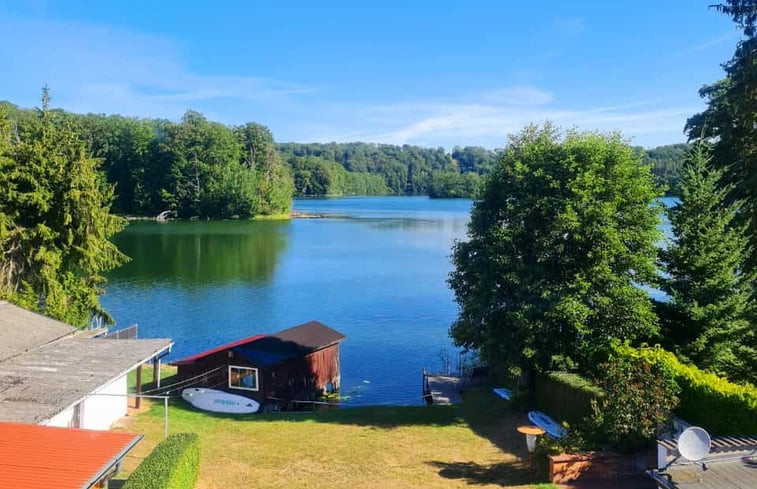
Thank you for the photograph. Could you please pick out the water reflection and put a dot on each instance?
(191, 253)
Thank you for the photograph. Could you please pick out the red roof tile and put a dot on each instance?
(44, 456)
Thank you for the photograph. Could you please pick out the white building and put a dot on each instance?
(50, 376)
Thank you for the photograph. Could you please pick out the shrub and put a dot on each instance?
(173, 464)
(635, 407)
(639, 398)
(706, 400)
(565, 395)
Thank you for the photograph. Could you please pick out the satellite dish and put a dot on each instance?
(694, 443)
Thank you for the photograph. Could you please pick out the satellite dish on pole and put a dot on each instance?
(694, 443)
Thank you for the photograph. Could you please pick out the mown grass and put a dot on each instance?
(474, 443)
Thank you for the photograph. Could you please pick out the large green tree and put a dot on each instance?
(55, 222)
(275, 186)
(564, 233)
(730, 120)
(708, 319)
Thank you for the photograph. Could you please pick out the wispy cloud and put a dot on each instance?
(93, 68)
(488, 124)
(716, 41)
(102, 69)
(518, 95)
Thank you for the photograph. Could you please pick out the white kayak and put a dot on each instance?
(552, 427)
(219, 401)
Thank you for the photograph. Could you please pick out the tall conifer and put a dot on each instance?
(712, 294)
(55, 221)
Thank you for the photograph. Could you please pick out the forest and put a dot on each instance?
(335, 169)
(193, 168)
(205, 169)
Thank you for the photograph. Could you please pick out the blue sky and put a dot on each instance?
(433, 73)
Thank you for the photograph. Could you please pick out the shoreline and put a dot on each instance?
(269, 217)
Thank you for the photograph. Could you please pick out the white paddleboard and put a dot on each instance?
(552, 427)
(219, 401)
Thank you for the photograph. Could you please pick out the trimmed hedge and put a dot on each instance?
(173, 464)
(565, 395)
(719, 406)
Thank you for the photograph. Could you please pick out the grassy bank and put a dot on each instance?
(272, 217)
(474, 443)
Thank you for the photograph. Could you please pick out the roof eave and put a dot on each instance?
(114, 461)
(118, 376)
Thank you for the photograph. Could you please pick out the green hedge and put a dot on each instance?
(173, 464)
(719, 406)
(565, 396)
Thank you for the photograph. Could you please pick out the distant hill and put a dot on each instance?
(386, 169)
(666, 161)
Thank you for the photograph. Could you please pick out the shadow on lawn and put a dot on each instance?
(504, 474)
(486, 415)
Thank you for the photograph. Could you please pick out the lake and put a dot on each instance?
(375, 270)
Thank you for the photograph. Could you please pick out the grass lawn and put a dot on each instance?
(474, 443)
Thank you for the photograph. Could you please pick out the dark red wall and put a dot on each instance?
(301, 379)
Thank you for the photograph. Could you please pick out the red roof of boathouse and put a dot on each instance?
(298, 340)
(205, 353)
(46, 456)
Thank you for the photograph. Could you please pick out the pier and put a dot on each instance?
(442, 388)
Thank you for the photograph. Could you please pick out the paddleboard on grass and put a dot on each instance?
(552, 427)
(219, 401)
(505, 394)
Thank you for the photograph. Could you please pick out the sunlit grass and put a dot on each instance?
(372, 447)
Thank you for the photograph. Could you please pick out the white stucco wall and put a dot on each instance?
(100, 412)
(97, 412)
(64, 419)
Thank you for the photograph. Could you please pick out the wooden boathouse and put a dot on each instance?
(296, 364)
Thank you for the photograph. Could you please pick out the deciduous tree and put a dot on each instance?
(564, 232)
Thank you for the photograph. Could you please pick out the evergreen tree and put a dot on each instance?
(55, 222)
(729, 122)
(712, 304)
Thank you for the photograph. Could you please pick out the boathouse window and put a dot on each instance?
(243, 378)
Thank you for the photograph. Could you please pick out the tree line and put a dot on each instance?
(401, 170)
(200, 168)
(193, 168)
(414, 170)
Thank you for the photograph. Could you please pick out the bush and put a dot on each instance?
(706, 400)
(565, 395)
(173, 464)
(634, 409)
(639, 398)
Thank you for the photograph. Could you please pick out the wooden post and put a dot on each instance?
(165, 417)
(138, 399)
(156, 373)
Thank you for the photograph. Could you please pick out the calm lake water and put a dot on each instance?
(374, 270)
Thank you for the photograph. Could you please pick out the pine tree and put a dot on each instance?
(55, 220)
(729, 122)
(712, 295)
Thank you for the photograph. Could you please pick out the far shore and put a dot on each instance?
(270, 217)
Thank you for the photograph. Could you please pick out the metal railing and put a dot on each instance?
(128, 333)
